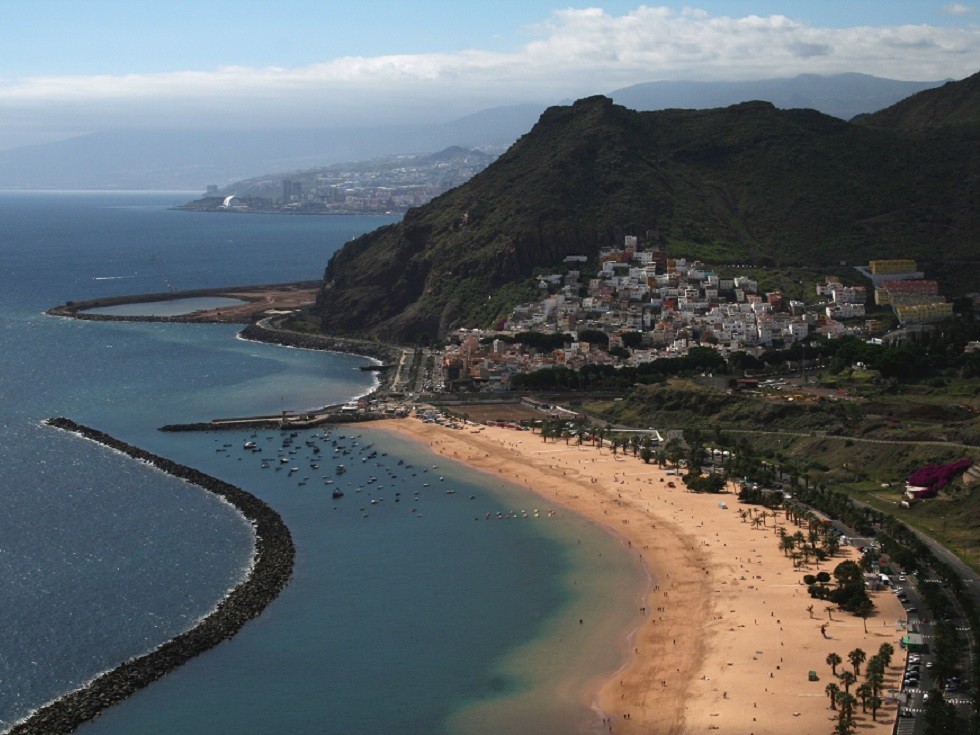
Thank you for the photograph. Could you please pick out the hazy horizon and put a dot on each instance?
(73, 69)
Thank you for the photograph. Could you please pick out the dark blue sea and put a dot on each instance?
(401, 617)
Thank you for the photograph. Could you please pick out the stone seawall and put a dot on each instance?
(317, 418)
(264, 332)
(77, 309)
(271, 570)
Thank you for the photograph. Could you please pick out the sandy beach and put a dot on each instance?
(725, 640)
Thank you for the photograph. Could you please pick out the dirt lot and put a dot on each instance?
(258, 301)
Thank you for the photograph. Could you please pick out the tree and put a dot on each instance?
(845, 716)
(940, 715)
(864, 693)
(857, 657)
(834, 660)
(863, 611)
(847, 678)
(885, 652)
(875, 702)
(832, 691)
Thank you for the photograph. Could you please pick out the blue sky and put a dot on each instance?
(119, 37)
(73, 66)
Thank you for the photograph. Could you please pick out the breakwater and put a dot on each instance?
(266, 331)
(305, 421)
(78, 309)
(271, 570)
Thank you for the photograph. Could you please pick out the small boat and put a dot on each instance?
(249, 445)
(338, 493)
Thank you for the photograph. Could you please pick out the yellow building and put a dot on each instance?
(884, 267)
(924, 312)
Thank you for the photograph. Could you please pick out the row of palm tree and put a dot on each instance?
(869, 692)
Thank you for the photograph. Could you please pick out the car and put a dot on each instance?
(912, 609)
(902, 578)
(929, 664)
(914, 658)
(911, 681)
(906, 712)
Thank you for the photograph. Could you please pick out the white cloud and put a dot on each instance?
(958, 9)
(574, 53)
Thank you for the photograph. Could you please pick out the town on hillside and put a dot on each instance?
(641, 305)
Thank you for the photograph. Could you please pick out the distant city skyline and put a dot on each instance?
(70, 68)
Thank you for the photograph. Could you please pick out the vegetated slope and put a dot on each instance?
(747, 183)
(955, 103)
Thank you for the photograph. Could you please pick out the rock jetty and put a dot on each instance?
(271, 570)
(267, 331)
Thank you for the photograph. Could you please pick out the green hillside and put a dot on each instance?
(744, 184)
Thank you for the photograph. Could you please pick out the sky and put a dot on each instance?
(69, 67)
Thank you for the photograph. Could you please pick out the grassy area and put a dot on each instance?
(870, 463)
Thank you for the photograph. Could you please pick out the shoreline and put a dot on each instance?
(271, 569)
(725, 639)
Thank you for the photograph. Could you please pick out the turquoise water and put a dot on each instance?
(395, 622)
(174, 307)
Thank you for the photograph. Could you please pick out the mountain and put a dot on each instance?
(190, 159)
(955, 103)
(749, 183)
(163, 159)
(840, 95)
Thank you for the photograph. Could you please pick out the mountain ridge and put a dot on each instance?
(190, 159)
(748, 183)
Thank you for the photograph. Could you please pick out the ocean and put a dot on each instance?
(412, 614)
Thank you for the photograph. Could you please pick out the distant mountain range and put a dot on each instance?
(842, 95)
(161, 159)
(744, 184)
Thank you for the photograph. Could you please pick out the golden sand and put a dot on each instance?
(726, 641)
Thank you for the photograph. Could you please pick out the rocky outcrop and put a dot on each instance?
(271, 570)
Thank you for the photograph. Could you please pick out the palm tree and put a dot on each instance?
(786, 542)
(834, 660)
(845, 720)
(885, 652)
(830, 612)
(864, 692)
(809, 609)
(875, 701)
(847, 678)
(857, 657)
(832, 691)
(864, 610)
